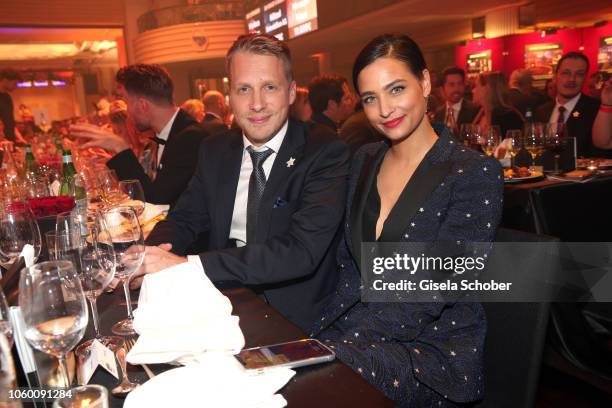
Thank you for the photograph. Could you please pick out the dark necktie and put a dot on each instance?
(158, 140)
(561, 117)
(257, 183)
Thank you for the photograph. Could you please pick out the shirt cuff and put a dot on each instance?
(195, 259)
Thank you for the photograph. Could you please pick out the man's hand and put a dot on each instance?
(99, 137)
(156, 259)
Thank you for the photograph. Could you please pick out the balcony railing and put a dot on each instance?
(184, 14)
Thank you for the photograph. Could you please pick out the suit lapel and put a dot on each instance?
(291, 148)
(227, 182)
(360, 196)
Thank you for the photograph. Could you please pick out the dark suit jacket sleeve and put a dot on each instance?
(189, 216)
(430, 354)
(314, 224)
(168, 185)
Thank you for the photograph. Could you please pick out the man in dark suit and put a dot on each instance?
(522, 95)
(270, 196)
(215, 110)
(573, 109)
(331, 100)
(147, 89)
(463, 111)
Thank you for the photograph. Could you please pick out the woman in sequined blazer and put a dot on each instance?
(419, 185)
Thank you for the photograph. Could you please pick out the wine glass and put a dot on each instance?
(465, 132)
(136, 198)
(6, 328)
(84, 240)
(109, 188)
(18, 227)
(476, 138)
(554, 133)
(90, 396)
(516, 143)
(491, 140)
(534, 140)
(54, 309)
(128, 242)
(8, 375)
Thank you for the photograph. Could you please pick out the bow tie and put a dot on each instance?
(158, 140)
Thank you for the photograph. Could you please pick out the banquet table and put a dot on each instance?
(590, 199)
(325, 385)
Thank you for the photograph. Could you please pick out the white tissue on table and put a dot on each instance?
(218, 381)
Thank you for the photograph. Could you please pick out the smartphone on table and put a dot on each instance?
(292, 354)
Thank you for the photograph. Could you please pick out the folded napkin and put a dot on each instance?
(28, 255)
(152, 211)
(218, 381)
(181, 316)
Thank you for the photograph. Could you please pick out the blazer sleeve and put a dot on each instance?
(313, 226)
(169, 184)
(189, 216)
(430, 354)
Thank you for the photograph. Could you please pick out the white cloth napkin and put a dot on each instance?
(28, 255)
(218, 381)
(181, 316)
(153, 210)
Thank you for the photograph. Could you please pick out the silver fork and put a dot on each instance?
(128, 346)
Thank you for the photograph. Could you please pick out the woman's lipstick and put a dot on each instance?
(393, 123)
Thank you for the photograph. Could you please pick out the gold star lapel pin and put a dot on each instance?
(290, 162)
(576, 114)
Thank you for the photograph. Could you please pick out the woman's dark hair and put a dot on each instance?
(396, 46)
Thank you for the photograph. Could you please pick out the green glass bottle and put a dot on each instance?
(30, 168)
(72, 184)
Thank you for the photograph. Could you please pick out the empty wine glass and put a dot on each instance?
(8, 375)
(136, 198)
(128, 242)
(554, 142)
(476, 138)
(84, 240)
(515, 136)
(109, 188)
(491, 140)
(54, 309)
(534, 140)
(18, 227)
(5, 323)
(465, 133)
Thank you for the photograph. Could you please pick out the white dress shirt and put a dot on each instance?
(456, 107)
(239, 216)
(163, 134)
(569, 107)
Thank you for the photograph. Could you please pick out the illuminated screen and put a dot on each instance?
(284, 19)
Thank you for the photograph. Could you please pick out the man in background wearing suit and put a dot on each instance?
(147, 90)
(575, 110)
(331, 100)
(453, 86)
(215, 112)
(270, 195)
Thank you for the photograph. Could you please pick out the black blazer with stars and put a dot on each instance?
(298, 224)
(418, 354)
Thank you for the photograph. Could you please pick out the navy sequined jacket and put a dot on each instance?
(418, 354)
